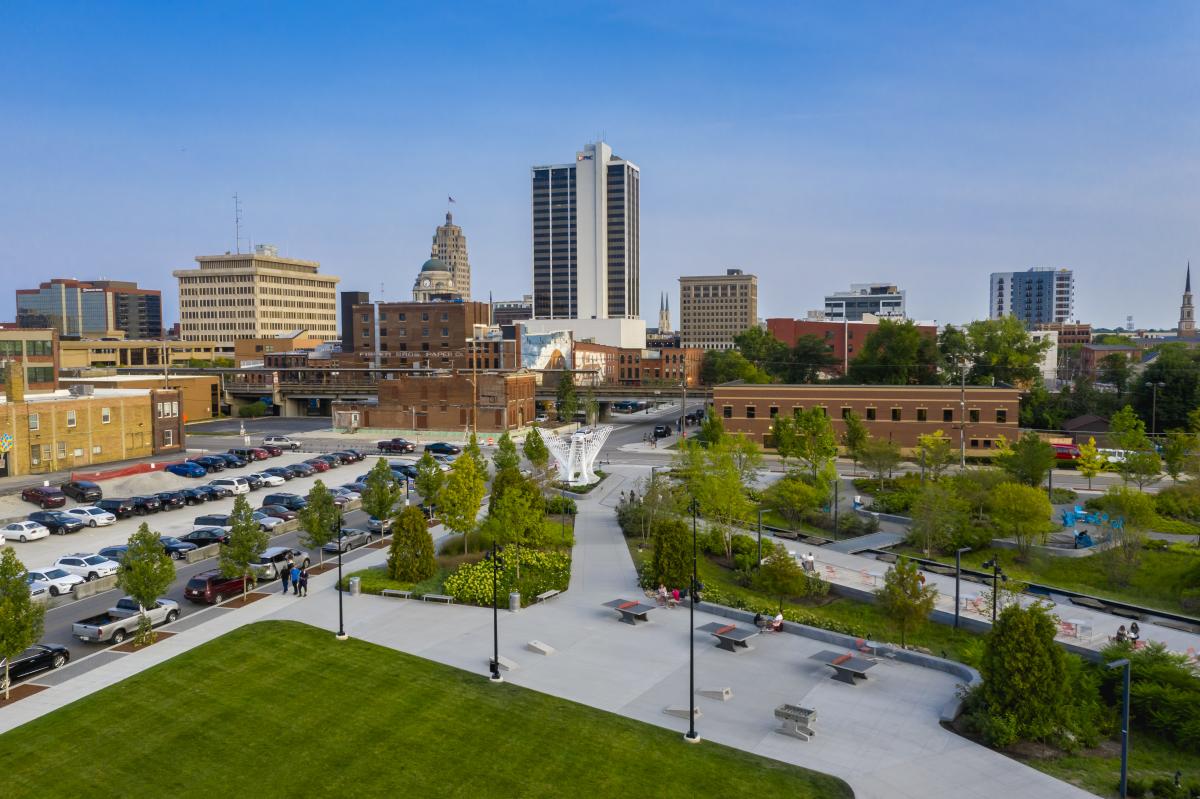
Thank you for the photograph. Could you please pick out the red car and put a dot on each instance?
(44, 496)
(279, 512)
(318, 464)
(1066, 452)
(210, 587)
(271, 450)
(260, 453)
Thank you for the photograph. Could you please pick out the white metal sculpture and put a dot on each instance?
(577, 452)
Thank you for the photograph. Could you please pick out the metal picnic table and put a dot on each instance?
(846, 666)
(631, 610)
(729, 636)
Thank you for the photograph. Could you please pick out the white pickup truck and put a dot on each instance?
(118, 623)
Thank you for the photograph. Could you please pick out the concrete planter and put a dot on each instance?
(84, 590)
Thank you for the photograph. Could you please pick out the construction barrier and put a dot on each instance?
(125, 471)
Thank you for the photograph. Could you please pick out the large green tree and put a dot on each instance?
(319, 519)
(935, 453)
(719, 489)
(725, 366)
(505, 456)
(382, 492)
(1177, 369)
(938, 515)
(247, 540)
(762, 349)
(516, 512)
(146, 573)
(780, 576)
(807, 360)
(793, 497)
(880, 456)
(905, 597)
(671, 563)
(1002, 351)
(21, 619)
(808, 437)
(1028, 460)
(460, 498)
(430, 480)
(1022, 512)
(896, 353)
(410, 557)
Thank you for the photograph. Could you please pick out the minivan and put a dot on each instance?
(213, 588)
(238, 485)
(273, 559)
(290, 501)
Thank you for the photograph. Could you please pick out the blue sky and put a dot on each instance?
(814, 145)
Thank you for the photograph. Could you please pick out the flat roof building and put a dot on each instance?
(878, 299)
(1037, 295)
(96, 308)
(36, 352)
(715, 308)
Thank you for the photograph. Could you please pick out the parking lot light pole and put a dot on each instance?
(341, 633)
(958, 553)
(997, 575)
(495, 664)
(1123, 663)
(692, 736)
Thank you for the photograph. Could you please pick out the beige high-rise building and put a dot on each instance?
(255, 295)
(713, 309)
(450, 247)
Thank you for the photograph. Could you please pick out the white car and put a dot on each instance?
(24, 531)
(92, 516)
(89, 567)
(541, 417)
(237, 485)
(57, 580)
(267, 522)
(271, 480)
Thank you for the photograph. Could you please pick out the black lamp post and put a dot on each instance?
(1123, 663)
(760, 536)
(497, 562)
(957, 576)
(1154, 386)
(337, 531)
(692, 736)
(997, 575)
(837, 478)
(562, 517)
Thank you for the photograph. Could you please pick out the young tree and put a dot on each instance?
(783, 435)
(536, 453)
(146, 573)
(976, 487)
(1131, 513)
(813, 443)
(320, 518)
(780, 576)
(1023, 512)
(1139, 461)
(658, 499)
(792, 497)
(21, 619)
(1028, 461)
(591, 407)
(937, 515)
(410, 557)
(747, 457)
(247, 540)
(935, 453)
(473, 451)
(1090, 462)
(460, 498)
(516, 512)
(671, 563)
(712, 429)
(382, 492)
(855, 438)
(430, 480)
(880, 456)
(566, 399)
(1179, 450)
(905, 598)
(506, 456)
(720, 492)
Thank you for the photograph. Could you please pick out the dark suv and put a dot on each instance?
(56, 521)
(662, 430)
(143, 505)
(82, 491)
(290, 501)
(121, 508)
(211, 462)
(210, 587)
(171, 499)
(44, 496)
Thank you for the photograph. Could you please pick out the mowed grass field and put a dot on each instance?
(283, 709)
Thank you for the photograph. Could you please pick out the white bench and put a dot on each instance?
(540, 647)
(449, 600)
(681, 712)
(720, 694)
(553, 592)
(396, 592)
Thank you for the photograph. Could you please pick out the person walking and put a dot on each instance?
(304, 582)
(285, 574)
(296, 580)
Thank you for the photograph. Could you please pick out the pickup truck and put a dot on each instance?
(118, 623)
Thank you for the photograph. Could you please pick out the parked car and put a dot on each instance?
(662, 430)
(116, 552)
(38, 591)
(302, 469)
(348, 538)
(266, 521)
(144, 504)
(82, 491)
(272, 450)
(210, 493)
(318, 464)
(194, 496)
(356, 487)
(25, 531)
(92, 516)
(378, 526)
(44, 496)
(121, 508)
(38, 657)
(332, 459)
(275, 558)
(175, 547)
(283, 442)
(187, 469)
(282, 472)
(279, 512)
(236, 485)
(205, 536)
(231, 461)
(218, 491)
(341, 500)
(444, 461)
(406, 469)
(355, 455)
(56, 521)
(89, 567)
(396, 445)
(250, 453)
(119, 622)
(348, 493)
(211, 462)
(290, 501)
(1066, 452)
(213, 588)
(58, 580)
(171, 500)
(268, 479)
(442, 448)
(212, 520)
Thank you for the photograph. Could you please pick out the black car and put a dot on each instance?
(210, 492)
(290, 501)
(231, 461)
(211, 462)
(176, 548)
(146, 504)
(195, 496)
(255, 482)
(38, 657)
(121, 508)
(280, 471)
(333, 460)
(219, 492)
(662, 430)
(442, 448)
(56, 521)
(301, 470)
(205, 536)
(115, 552)
(357, 487)
(171, 500)
(355, 455)
(82, 491)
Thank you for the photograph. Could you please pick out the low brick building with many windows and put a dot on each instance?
(897, 413)
(445, 401)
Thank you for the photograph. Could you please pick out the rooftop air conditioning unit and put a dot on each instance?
(82, 390)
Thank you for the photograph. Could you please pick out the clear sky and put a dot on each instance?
(813, 144)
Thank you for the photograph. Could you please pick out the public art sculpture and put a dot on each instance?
(576, 453)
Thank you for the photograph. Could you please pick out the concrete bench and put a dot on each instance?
(720, 694)
(396, 592)
(542, 597)
(449, 600)
(681, 712)
(540, 647)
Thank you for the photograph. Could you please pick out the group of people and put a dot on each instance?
(296, 576)
(809, 563)
(1128, 636)
(668, 598)
(651, 440)
(767, 624)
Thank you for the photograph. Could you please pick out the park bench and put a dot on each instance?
(729, 636)
(449, 600)
(797, 721)
(846, 666)
(542, 597)
(396, 592)
(631, 610)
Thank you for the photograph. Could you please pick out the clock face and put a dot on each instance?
(425, 282)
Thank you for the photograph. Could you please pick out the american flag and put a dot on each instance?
(448, 197)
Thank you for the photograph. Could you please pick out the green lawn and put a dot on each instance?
(1099, 771)
(283, 709)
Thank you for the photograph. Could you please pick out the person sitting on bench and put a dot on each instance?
(760, 621)
(1122, 636)
(777, 623)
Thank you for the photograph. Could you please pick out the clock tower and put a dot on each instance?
(1187, 318)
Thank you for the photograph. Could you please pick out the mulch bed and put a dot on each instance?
(321, 568)
(130, 646)
(19, 692)
(239, 602)
(384, 544)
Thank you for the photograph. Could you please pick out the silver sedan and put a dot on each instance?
(349, 538)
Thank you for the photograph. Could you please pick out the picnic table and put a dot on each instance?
(846, 666)
(631, 610)
(729, 636)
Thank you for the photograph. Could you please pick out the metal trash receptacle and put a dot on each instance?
(514, 601)
(355, 585)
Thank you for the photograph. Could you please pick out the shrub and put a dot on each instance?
(557, 505)
(1134, 786)
(1063, 496)
(715, 596)
(743, 545)
(540, 571)
(1177, 526)
(1178, 502)
(253, 410)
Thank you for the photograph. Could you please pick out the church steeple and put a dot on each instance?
(664, 313)
(1187, 314)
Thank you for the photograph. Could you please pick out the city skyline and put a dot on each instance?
(983, 141)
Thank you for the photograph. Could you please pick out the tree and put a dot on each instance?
(1114, 369)
(146, 573)
(506, 456)
(763, 350)
(1002, 351)
(566, 400)
(880, 456)
(855, 437)
(720, 491)
(747, 457)
(382, 492)
(779, 575)
(21, 619)
(671, 563)
(591, 409)
(935, 453)
(460, 498)
(1090, 462)
(905, 598)
(725, 366)
(976, 486)
(658, 499)
(1023, 512)
(1028, 461)
(430, 480)
(1179, 452)
(516, 512)
(712, 429)
(1131, 513)
(896, 353)
(1177, 370)
(938, 514)
(808, 437)
(536, 452)
(319, 519)
(410, 557)
(792, 497)
(806, 360)
(1139, 461)
(247, 540)
(472, 450)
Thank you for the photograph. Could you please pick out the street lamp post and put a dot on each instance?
(1154, 387)
(962, 416)
(496, 564)
(760, 535)
(692, 736)
(1123, 663)
(958, 553)
(337, 531)
(997, 575)
(837, 478)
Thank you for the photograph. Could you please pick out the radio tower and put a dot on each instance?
(237, 224)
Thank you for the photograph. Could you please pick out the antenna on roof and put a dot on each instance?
(237, 224)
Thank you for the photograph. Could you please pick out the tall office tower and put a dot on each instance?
(1187, 318)
(450, 247)
(347, 301)
(1038, 295)
(715, 308)
(93, 308)
(586, 238)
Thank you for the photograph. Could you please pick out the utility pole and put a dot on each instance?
(962, 416)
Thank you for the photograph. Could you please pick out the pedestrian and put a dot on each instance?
(1134, 632)
(662, 594)
(296, 580)
(304, 582)
(1122, 636)
(285, 574)
(674, 597)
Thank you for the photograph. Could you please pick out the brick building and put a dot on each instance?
(845, 338)
(897, 413)
(639, 367)
(199, 395)
(1069, 333)
(122, 353)
(1091, 356)
(37, 350)
(430, 334)
(445, 401)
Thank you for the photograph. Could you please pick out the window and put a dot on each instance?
(105, 415)
(62, 449)
(922, 415)
(70, 419)
(974, 443)
(751, 411)
(445, 332)
(895, 414)
(34, 422)
(727, 411)
(947, 415)
(774, 411)
(870, 414)
(846, 411)
(974, 415)
(383, 332)
(175, 408)
(1001, 416)
(987, 443)
(168, 438)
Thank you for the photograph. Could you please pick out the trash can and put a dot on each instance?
(355, 586)
(514, 601)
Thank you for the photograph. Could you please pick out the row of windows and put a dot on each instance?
(166, 410)
(35, 419)
(31, 347)
(871, 413)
